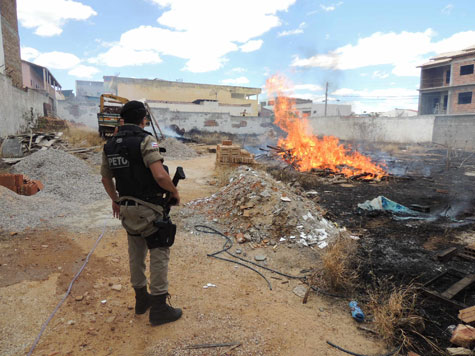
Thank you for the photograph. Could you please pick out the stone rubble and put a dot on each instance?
(255, 207)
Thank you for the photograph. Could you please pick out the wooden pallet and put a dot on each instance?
(468, 253)
(464, 281)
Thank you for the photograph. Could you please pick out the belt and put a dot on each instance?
(128, 202)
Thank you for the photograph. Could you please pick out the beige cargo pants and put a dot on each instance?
(138, 222)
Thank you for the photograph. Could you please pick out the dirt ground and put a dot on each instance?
(36, 268)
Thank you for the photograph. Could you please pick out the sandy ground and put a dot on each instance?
(36, 268)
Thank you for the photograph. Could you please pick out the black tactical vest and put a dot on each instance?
(125, 159)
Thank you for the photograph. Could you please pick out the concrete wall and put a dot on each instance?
(18, 107)
(85, 112)
(80, 111)
(213, 122)
(455, 131)
(206, 106)
(380, 129)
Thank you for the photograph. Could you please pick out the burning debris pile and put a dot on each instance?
(304, 151)
(257, 208)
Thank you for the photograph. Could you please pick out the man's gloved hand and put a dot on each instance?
(175, 198)
(115, 209)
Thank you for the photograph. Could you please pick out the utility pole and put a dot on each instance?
(326, 98)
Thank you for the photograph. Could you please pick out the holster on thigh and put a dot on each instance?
(164, 236)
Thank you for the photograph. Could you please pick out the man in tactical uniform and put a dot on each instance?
(132, 158)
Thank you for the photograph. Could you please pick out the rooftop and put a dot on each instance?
(448, 56)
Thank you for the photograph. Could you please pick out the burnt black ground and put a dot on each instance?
(405, 251)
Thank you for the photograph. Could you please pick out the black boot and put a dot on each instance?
(142, 300)
(161, 312)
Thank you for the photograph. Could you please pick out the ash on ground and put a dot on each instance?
(255, 207)
(176, 149)
(69, 185)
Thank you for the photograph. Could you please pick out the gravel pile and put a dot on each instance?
(69, 184)
(177, 149)
(255, 207)
(65, 176)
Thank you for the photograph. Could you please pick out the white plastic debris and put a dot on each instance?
(104, 301)
(353, 237)
(292, 237)
(286, 199)
(209, 285)
(322, 244)
(282, 239)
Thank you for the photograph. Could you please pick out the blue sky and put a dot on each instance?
(367, 50)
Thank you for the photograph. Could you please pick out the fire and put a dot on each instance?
(305, 150)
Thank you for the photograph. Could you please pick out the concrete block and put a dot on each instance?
(11, 148)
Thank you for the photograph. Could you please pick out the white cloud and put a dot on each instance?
(83, 71)
(378, 100)
(331, 7)
(29, 53)
(119, 56)
(189, 30)
(297, 31)
(57, 60)
(448, 9)
(48, 17)
(236, 81)
(404, 51)
(310, 87)
(380, 74)
(251, 46)
(239, 70)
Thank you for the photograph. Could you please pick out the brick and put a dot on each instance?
(7, 179)
(463, 335)
(209, 123)
(227, 143)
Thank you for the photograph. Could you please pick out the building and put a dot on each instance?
(308, 108)
(448, 84)
(89, 89)
(40, 78)
(10, 63)
(179, 93)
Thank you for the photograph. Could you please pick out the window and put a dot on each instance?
(237, 96)
(464, 70)
(447, 77)
(465, 98)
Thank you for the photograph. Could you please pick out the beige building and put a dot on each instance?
(179, 93)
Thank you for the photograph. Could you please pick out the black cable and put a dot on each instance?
(216, 232)
(209, 230)
(356, 354)
(225, 249)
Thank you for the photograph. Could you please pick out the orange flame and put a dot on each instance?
(307, 151)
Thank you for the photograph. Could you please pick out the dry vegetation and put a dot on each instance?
(209, 138)
(83, 137)
(394, 315)
(338, 269)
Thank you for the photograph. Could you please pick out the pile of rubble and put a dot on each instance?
(176, 149)
(69, 185)
(255, 207)
(18, 146)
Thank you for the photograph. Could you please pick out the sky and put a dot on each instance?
(366, 50)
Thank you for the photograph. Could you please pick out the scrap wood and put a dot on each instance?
(208, 346)
(467, 315)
